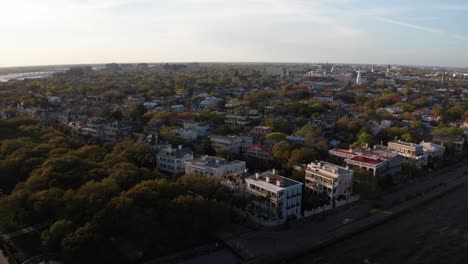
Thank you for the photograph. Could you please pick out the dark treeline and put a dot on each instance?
(100, 202)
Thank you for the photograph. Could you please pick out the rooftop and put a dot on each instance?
(260, 179)
(367, 160)
(328, 167)
(213, 162)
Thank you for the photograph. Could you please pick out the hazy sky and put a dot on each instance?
(38, 32)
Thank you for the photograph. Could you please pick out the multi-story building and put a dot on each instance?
(201, 128)
(116, 131)
(237, 120)
(235, 144)
(394, 165)
(173, 159)
(374, 165)
(260, 151)
(458, 142)
(231, 143)
(435, 151)
(280, 197)
(335, 180)
(187, 134)
(409, 150)
(243, 119)
(261, 130)
(213, 166)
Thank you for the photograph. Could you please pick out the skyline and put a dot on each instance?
(66, 32)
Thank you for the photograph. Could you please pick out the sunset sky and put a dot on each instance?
(100, 31)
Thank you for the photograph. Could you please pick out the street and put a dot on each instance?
(252, 244)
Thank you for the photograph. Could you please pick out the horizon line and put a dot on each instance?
(232, 62)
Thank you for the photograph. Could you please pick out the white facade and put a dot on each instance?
(235, 144)
(433, 150)
(201, 128)
(173, 159)
(282, 197)
(187, 134)
(214, 166)
(333, 179)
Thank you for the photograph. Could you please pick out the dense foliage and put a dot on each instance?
(97, 199)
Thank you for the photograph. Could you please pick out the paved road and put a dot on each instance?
(432, 234)
(25, 230)
(255, 244)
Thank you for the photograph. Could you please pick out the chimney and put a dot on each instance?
(274, 171)
(180, 146)
(278, 183)
(257, 175)
(267, 179)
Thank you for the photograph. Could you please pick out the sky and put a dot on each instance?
(415, 32)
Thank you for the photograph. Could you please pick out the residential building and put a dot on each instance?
(116, 131)
(214, 166)
(335, 180)
(173, 160)
(260, 151)
(187, 134)
(261, 130)
(243, 119)
(393, 165)
(435, 151)
(409, 150)
(235, 144)
(202, 129)
(282, 196)
(231, 143)
(295, 139)
(458, 142)
(375, 165)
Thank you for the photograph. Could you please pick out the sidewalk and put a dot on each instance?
(257, 245)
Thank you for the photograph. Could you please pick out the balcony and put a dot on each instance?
(264, 194)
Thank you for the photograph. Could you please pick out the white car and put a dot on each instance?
(347, 221)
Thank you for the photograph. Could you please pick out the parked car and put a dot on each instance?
(347, 221)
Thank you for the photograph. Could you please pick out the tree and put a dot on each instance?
(52, 238)
(276, 136)
(364, 138)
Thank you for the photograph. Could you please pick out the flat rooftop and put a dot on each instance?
(367, 160)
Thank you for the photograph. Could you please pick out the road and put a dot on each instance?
(434, 233)
(252, 245)
(19, 232)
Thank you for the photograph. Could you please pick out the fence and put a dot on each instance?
(324, 208)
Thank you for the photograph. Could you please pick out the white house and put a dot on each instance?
(173, 159)
(335, 180)
(278, 197)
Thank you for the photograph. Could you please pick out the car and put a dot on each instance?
(347, 221)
